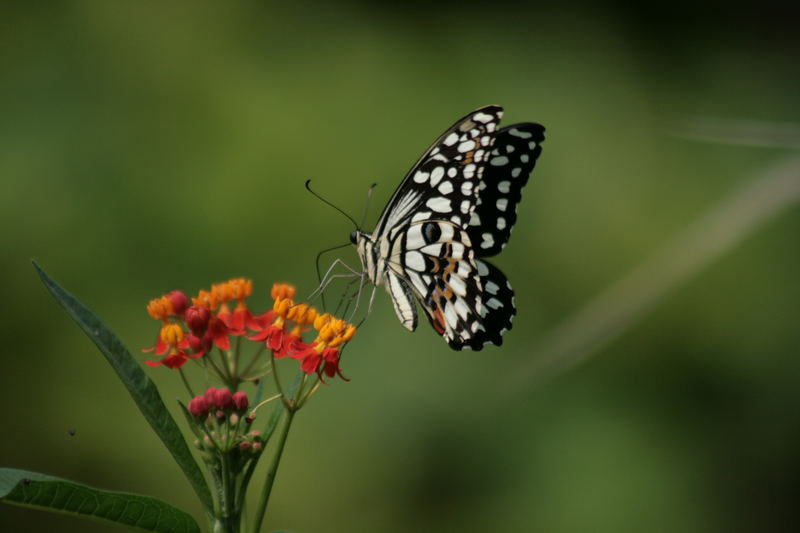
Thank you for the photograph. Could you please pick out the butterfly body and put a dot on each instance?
(456, 205)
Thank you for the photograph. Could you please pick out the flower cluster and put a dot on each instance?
(192, 331)
(221, 426)
(284, 336)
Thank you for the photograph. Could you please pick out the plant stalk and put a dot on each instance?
(273, 470)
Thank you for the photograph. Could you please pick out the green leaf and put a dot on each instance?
(140, 386)
(30, 489)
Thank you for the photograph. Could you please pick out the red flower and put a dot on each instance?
(159, 348)
(310, 358)
(240, 320)
(176, 359)
(292, 344)
(272, 335)
(218, 333)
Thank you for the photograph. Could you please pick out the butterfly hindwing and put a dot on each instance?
(506, 172)
(498, 306)
(436, 259)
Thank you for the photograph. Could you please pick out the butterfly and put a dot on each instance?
(456, 206)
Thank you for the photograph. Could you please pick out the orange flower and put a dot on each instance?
(323, 354)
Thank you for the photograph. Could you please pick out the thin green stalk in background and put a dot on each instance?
(619, 306)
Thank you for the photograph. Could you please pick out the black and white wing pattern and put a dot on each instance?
(512, 159)
(456, 204)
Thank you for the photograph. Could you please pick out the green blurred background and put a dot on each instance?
(148, 146)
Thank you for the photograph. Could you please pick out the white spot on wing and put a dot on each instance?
(469, 171)
(488, 240)
(466, 146)
(482, 117)
(502, 204)
(436, 175)
(466, 188)
(439, 204)
(504, 186)
(450, 316)
(475, 220)
(499, 161)
(492, 287)
(524, 158)
(421, 215)
(521, 134)
(494, 303)
(501, 223)
(461, 308)
(515, 172)
(446, 187)
(420, 176)
(415, 261)
(451, 139)
(465, 206)
(458, 285)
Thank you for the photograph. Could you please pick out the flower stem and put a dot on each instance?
(278, 386)
(273, 470)
(186, 383)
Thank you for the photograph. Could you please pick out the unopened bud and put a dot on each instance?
(244, 445)
(240, 401)
(223, 398)
(257, 446)
(178, 301)
(234, 419)
(210, 392)
(198, 406)
(197, 318)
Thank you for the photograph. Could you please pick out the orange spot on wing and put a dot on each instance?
(438, 323)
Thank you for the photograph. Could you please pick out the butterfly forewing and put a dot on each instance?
(443, 184)
(506, 172)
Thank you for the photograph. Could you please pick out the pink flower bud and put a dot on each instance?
(197, 318)
(223, 398)
(244, 445)
(220, 414)
(257, 446)
(240, 401)
(179, 302)
(210, 394)
(234, 419)
(198, 406)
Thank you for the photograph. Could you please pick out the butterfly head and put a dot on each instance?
(354, 236)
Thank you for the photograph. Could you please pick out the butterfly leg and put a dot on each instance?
(329, 277)
(357, 296)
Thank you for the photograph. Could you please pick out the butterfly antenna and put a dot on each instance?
(366, 204)
(308, 188)
(319, 272)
